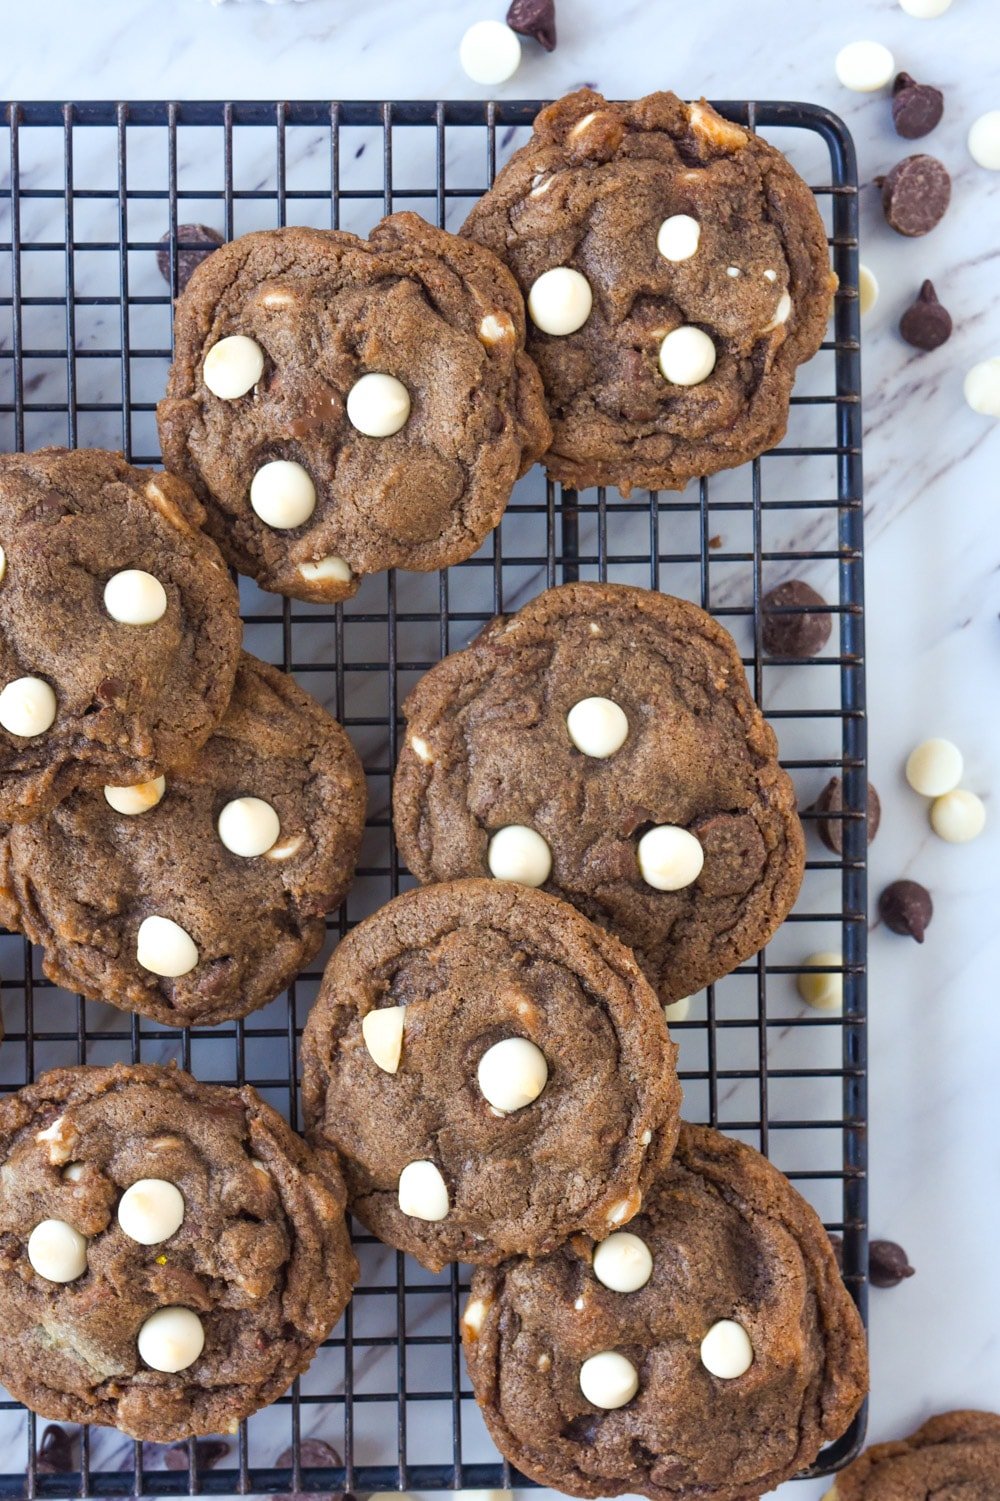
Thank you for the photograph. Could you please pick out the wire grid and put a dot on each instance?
(84, 344)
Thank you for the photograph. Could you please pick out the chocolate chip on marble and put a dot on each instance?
(916, 107)
(198, 241)
(831, 801)
(888, 1264)
(534, 18)
(55, 1452)
(207, 1452)
(926, 324)
(314, 1454)
(915, 195)
(906, 908)
(803, 634)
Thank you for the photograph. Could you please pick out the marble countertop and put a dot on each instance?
(933, 543)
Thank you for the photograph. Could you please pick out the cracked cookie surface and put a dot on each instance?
(955, 1455)
(462, 968)
(437, 316)
(727, 1241)
(88, 698)
(83, 881)
(488, 748)
(260, 1258)
(675, 219)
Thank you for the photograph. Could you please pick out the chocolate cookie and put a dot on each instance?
(602, 742)
(119, 626)
(708, 1352)
(676, 272)
(343, 406)
(197, 898)
(951, 1456)
(493, 1068)
(171, 1253)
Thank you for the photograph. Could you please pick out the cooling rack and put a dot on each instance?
(89, 194)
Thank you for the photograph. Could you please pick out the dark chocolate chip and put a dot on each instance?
(534, 18)
(888, 1264)
(906, 908)
(197, 242)
(55, 1452)
(802, 634)
(916, 195)
(831, 800)
(109, 689)
(926, 324)
(916, 107)
(314, 1454)
(207, 1452)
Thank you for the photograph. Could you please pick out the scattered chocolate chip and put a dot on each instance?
(534, 18)
(715, 541)
(831, 800)
(314, 1454)
(916, 107)
(800, 635)
(906, 908)
(55, 1452)
(198, 241)
(888, 1265)
(915, 195)
(926, 324)
(109, 689)
(207, 1452)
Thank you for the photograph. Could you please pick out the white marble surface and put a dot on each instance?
(932, 532)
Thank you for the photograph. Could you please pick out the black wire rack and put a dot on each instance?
(89, 193)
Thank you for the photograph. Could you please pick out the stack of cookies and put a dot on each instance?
(588, 795)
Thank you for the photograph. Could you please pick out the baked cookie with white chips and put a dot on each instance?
(705, 1353)
(119, 626)
(198, 897)
(494, 1071)
(171, 1253)
(676, 273)
(343, 406)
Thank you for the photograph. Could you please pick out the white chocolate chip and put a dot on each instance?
(272, 297)
(867, 289)
(770, 275)
(782, 313)
(326, 570)
(726, 1350)
(984, 140)
(260, 1166)
(423, 1193)
(540, 183)
(57, 1251)
(233, 367)
(496, 328)
(560, 301)
(733, 271)
(475, 1315)
(282, 494)
(512, 1074)
(171, 1339)
(27, 707)
(687, 356)
(925, 10)
(73, 1172)
(608, 1380)
(934, 767)
(712, 127)
(421, 749)
(677, 237)
(864, 66)
(669, 857)
(378, 405)
(163, 947)
(582, 123)
(490, 52)
(382, 1030)
(543, 1363)
(151, 1211)
(623, 1262)
(646, 1138)
(598, 727)
(248, 826)
(579, 1305)
(134, 597)
(982, 388)
(167, 508)
(517, 853)
(825, 992)
(287, 848)
(625, 1208)
(958, 816)
(677, 1011)
(137, 799)
(52, 1132)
